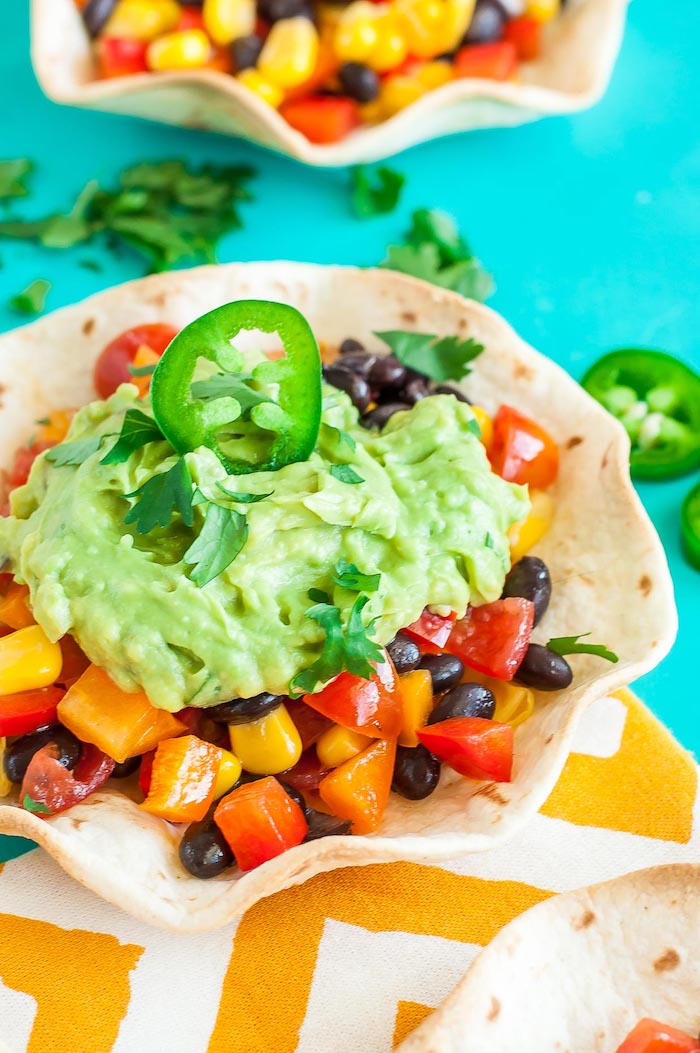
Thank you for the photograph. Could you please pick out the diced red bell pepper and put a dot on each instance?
(322, 118)
(75, 661)
(372, 707)
(48, 783)
(473, 746)
(309, 722)
(521, 451)
(28, 710)
(146, 771)
(121, 56)
(306, 773)
(649, 1036)
(260, 821)
(183, 779)
(525, 34)
(496, 61)
(493, 639)
(112, 366)
(22, 464)
(359, 789)
(431, 628)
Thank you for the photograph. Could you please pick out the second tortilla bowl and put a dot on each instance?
(603, 554)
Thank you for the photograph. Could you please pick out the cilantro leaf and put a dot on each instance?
(345, 473)
(221, 538)
(162, 495)
(74, 452)
(570, 645)
(244, 499)
(12, 177)
(31, 300)
(349, 576)
(440, 359)
(377, 192)
(318, 596)
(38, 807)
(348, 648)
(142, 371)
(343, 436)
(229, 385)
(138, 429)
(474, 427)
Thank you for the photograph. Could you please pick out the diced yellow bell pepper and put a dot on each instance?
(355, 34)
(224, 20)
(188, 49)
(338, 744)
(514, 702)
(28, 660)
(142, 19)
(435, 74)
(267, 746)
(390, 49)
(485, 423)
(289, 54)
(14, 609)
(524, 535)
(228, 775)
(542, 10)
(270, 93)
(416, 703)
(56, 427)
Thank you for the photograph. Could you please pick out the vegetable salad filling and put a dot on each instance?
(272, 591)
(327, 68)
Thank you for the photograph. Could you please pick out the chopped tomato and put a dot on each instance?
(28, 710)
(14, 611)
(649, 1036)
(473, 746)
(183, 779)
(48, 783)
(492, 61)
(431, 628)
(306, 773)
(112, 367)
(322, 118)
(525, 34)
(493, 639)
(521, 451)
(260, 821)
(372, 707)
(23, 461)
(359, 789)
(309, 722)
(121, 56)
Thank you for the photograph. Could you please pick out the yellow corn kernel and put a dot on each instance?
(289, 54)
(485, 423)
(339, 744)
(390, 48)
(455, 22)
(372, 112)
(434, 75)
(229, 774)
(416, 703)
(524, 535)
(398, 92)
(542, 10)
(514, 703)
(188, 49)
(356, 32)
(268, 92)
(5, 784)
(224, 20)
(267, 746)
(142, 19)
(28, 660)
(421, 23)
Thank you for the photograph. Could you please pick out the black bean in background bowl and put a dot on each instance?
(414, 391)
(359, 362)
(19, 754)
(416, 772)
(464, 700)
(445, 670)
(349, 345)
(359, 81)
(447, 389)
(378, 417)
(322, 825)
(204, 851)
(245, 51)
(487, 24)
(530, 579)
(96, 14)
(243, 710)
(404, 653)
(354, 386)
(126, 768)
(388, 372)
(544, 670)
(291, 791)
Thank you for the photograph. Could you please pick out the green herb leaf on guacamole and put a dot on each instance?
(138, 429)
(343, 436)
(31, 300)
(375, 192)
(318, 596)
(38, 807)
(244, 499)
(345, 473)
(346, 648)
(444, 358)
(229, 385)
(162, 495)
(221, 538)
(569, 645)
(474, 427)
(12, 177)
(349, 576)
(74, 452)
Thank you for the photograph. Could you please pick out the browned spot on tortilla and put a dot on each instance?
(462, 324)
(491, 791)
(586, 919)
(409, 317)
(669, 960)
(587, 579)
(494, 1010)
(88, 326)
(548, 740)
(575, 440)
(158, 299)
(522, 372)
(645, 584)
(604, 462)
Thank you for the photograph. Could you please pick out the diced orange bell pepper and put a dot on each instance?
(492, 61)
(56, 427)
(145, 356)
(416, 703)
(526, 34)
(120, 57)
(14, 610)
(121, 724)
(322, 118)
(75, 661)
(260, 821)
(371, 707)
(359, 789)
(183, 779)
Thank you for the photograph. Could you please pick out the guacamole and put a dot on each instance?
(427, 514)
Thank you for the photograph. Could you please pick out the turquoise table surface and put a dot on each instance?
(590, 225)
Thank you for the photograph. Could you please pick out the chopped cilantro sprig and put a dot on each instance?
(440, 358)
(375, 192)
(564, 645)
(346, 648)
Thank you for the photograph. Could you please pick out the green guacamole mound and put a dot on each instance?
(430, 516)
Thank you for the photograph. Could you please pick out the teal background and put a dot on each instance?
(590, 225)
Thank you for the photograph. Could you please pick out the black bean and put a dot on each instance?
(387, 372)
(355, 387)
(414, 391)
(243, 710)
(487, 24)
(530, 579)
(245, 51)
(544, 670)
(349, 345)
(126, 768)
(275, 10)
(19, 754)
(404, 653)
(447, 389)
(204, 852)
(296, 795)
(96, 14)
(359, 81)
(416, 772)
(445, 670)
(322, 825)
(464, 700)
(378, 417)
(359, 362)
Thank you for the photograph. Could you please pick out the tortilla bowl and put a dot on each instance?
(577, 972)
(577, 60)
(607, 565)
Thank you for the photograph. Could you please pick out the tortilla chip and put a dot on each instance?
(607, 565)
(577, 972)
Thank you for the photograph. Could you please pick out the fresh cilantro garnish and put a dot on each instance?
(221, 538)
(38, 807)
(74, 452)
(244, 499)
(12, 177)
(474, 427)
(570, 645)
(440, 358)
(375, 192)
(163, 210)
(318, 596)
(142, 371)
(345, 473)
(162, 495)
(137, 430)
(43, 421)
(343, 436)
(349, 576)
(436, 252)
(488, 541)
(229, 385)
(31, 300)
(348, 648)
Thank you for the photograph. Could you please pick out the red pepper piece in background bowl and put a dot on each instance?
(493, 639)
(473, 746)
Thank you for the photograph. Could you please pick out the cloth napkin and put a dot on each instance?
(353, 960)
